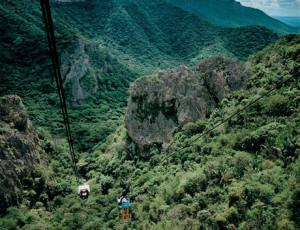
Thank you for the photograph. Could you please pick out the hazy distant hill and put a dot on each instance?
(292, 21)
(230, 13)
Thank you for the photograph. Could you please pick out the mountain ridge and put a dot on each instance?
(292, 21)
(230, 13)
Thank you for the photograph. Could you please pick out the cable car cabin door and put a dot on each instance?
(125, 214)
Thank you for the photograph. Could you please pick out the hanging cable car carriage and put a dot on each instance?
(84, 191)
(125, 208)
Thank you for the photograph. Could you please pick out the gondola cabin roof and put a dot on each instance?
(84, 187)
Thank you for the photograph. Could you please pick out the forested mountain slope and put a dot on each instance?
(104, 45)
(230, 13)
(155, 33)
(242, 175)
(23, 159)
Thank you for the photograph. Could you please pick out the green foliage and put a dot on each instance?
(237, 177)
(295, 206)
(106, 183)
(230, 215)
(276, 105)
(117, 41)
(255, 140)
(193, 128)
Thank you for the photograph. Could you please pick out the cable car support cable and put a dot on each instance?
(45, 6)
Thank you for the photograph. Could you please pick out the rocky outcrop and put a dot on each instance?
(22, 158)
(160, 103)
(77, 68)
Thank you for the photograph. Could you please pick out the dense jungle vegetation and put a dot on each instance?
(243, 175)
(121, 40)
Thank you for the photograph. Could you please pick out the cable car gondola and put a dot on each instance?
(125, 208)
(124, 202)
(84, 191)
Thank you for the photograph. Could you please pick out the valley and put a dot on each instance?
(146, 84)
(120, 43)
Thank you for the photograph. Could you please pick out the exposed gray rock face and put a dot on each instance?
(22, 158)
(76, 68)
(159, 103)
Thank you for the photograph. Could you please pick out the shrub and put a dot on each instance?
(74, 220)
(267, 164)
(180, 211)
(95, 224)
(285, 224)
(256, 191)
(214, 170)
(228, 216)
(295, 206)
(236, 195)
(195, 182)
(276, 105)
(242, 162)
(260, 216)
(8, 224)
(20, 121)
(14, 220)
(106, 183)
(253, 142)
(265, 135)
(193, 128)
(192, 183)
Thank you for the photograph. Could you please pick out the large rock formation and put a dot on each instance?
(159, 103)
(22, 158)
(77, 68)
